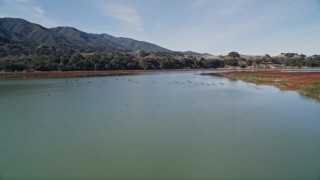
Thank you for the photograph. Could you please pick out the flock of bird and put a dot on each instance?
(171, 82)
(186, 82)
(196, 83)
(174, 82)
(128, 80)
(201, 83)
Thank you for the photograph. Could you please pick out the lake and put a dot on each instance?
(165, 125)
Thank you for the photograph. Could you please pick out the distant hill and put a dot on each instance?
(191, 53)
(20, 30)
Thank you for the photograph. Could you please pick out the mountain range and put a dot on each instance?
(15, 30)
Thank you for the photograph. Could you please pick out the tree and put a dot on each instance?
(231, 61)
(211, 63)
(144, 53)
(243, 66)
(76, 62)
(289, 55)
(169, 63)
(148, 64)
(234, 54)
(249, 62)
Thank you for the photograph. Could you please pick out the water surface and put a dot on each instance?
(172, 125)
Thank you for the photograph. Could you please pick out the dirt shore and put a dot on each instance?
(306, 83)
(105, 72)
(84, 73)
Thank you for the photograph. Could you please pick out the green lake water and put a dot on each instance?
(172, 125)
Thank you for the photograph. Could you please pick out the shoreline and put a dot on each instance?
(95, 73)
(305, 83)
(113, 72)
(82, 73)
(123, 72)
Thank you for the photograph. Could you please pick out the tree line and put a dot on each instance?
(20, 57)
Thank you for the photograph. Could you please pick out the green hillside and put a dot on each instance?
(19, 30)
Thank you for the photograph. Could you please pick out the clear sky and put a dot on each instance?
(212, 26)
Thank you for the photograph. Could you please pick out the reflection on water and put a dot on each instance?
(156, 125)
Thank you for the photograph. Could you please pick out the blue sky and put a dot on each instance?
(212, 26)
